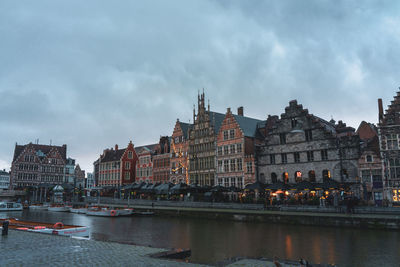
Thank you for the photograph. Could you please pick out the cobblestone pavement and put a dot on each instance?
(33, 249)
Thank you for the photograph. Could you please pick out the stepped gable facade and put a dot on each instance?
(117, 166)
(34, 164)
(389, 139)
(161, 161)
(202, 144)
(370, 162)
(179, 153)
(236, 149)
(144, 164)
(300, 146)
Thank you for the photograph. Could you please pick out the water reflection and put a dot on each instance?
(212, 241)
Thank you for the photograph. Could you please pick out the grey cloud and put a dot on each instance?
(95, 73)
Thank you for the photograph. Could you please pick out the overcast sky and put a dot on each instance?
(92, 74)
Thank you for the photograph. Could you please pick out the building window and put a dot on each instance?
(310, 155)
(225, 135)
(296, 157)
(232, 134)
(239, 148)
(282, 138)
(226, 150)
(130, 155)
(233, 165)
(272, 159)
(365, 176)
(324, 154)
(219, 150)
(394, 167)
(311, 176)
(308, 135)
(249, 167)
(392, 142)
(294, 122)
(239, 164)
(233, 149)
(368, 158)
(326, 174)
(274, 178)
(127, 175)
(226, 165)
(283, 158)
(220, 169)
(127, 165)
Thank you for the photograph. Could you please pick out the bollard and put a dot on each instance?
(5, 228)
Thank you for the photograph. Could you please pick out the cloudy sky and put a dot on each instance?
(92, 74)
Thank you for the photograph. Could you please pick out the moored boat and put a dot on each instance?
(78, 210)
(48, 228)
(10, 206)
(58, 208)
(108, 212)
(38, 207)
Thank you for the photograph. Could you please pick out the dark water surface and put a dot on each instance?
(212, 241)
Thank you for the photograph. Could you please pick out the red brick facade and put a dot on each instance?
(179, 153)
(117, 166)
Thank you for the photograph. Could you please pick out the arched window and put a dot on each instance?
(326, 174)
(311, 176)
(285, 177)
(297, 176)
(274, 178)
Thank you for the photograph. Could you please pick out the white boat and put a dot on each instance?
(38, 207)
(48, 228)
(10, 206)
(58, 208)
(78, 210)
(107, 212)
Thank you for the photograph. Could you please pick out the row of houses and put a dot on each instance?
(234, 150)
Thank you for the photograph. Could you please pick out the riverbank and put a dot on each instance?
(365, 220)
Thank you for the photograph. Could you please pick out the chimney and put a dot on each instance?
(240, 111)
(116, 147)
(380, 107)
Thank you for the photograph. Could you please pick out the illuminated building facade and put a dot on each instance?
(236, 149)
(301, 146)
(179, 153)
(389, 139)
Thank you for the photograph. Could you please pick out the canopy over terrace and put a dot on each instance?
(255, 186)
(163, 189)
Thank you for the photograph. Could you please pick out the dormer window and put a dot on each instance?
(368, 158)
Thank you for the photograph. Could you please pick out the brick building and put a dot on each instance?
(301, 146)
(144, 164)
(389, 139)
(34, 164)
(79, 177)
(179, 153)
(370, 162)
(117, 166)
(161, 161)
(236, 149)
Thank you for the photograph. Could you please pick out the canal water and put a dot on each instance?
(213, 241)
